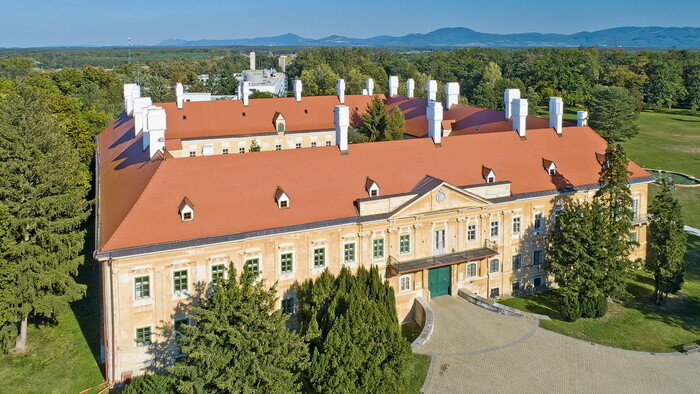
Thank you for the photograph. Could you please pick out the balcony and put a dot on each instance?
(640, 219)
(404, 267)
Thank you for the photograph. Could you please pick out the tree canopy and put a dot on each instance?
(612, 113)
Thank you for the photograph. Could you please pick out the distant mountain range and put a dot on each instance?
(650, 37)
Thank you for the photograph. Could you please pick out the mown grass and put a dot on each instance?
(635, 324)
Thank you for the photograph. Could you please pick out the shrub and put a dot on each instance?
(593, 304)
(149, 384)
(569, 307)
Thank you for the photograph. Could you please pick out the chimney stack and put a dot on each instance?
(393, 86)
(434, 115)
(582, 118)
(297, 90)
(131, 91)
(519, 109)
(451, 94)
(508, 96)
(410, 87)
(341, 118)
(340, 90)
(154, 129)
(140, 104)
(252, 60)
(364, 92)
(556, 113)
(179, 95)
(245, 92)
(369, 85)
(431, 90)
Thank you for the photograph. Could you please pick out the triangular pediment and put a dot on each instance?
(441, 197)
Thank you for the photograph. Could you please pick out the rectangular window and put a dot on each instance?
(517, 261)
(328, 143)
(515, 286)
(494, 229)
(178, 324)
(537, 281)
(471, 269)
(378, 248)
(298, 145)
(253, 265)
(517, 225)
(142, 287)
(313, 144)
(405, 283)
(217, 273)
(319, 257)
(633, 236)
(288, 306)
(278, 147)
(471, 232)
(405, 243)
(539, 221)
(241, 150)
(538, 257)
(495, 292)
(180, 281)
(193, 153)
(635, 207)
(143, 336)
(224, 151)
(286, 263)
(349, 253)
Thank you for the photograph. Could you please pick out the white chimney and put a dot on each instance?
(369, 85)
(451, 94)
(582, 118)
(179, 95)
(434, 115)
(246, 92)
(130, 89)
(364, 92)
(297, 90)
(431, 90)
(252, 60)
(154, 129)
(140, 103)
(410, 87)
(556, 113)
(340, 90)
(519, 109)
(508, 96)
(341, 118)
(393, 85)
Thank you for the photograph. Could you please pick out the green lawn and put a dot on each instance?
(636, 324)
(417, 369)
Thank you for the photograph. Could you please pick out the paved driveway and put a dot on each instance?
(474, 350)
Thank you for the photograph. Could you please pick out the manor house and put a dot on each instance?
(462, 203)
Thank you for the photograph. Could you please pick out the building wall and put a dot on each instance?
(164, 305)
(266, 142)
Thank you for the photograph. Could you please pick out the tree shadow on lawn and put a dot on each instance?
(544, 303)
(681, 311)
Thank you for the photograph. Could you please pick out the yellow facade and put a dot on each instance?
(466, 218)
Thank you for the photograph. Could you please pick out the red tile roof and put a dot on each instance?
(199, 119)
(139, 199)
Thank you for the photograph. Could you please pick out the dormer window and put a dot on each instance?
(488, 174)
(372, 187)
(280, 122)
(186, 210)
(281, 198)
(549, 166)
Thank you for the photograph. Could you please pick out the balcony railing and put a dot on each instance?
(402, 267)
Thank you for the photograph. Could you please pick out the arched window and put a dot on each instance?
(280, 127)
(495, 265)
(471, 269)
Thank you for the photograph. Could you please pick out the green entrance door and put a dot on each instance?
(439, 281)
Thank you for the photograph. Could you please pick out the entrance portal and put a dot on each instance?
(439, 280)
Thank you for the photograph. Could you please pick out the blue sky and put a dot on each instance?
(26, 23)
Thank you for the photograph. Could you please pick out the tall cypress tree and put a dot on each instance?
(43, 186)
(666, 247)
(616, 200)
(239, 343)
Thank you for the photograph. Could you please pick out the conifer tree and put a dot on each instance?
(255, 146)
(43, 186)
(666, 247)
(613, 113)
(395, 127)
(379, 125)
(615, 197)
(239, 343)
